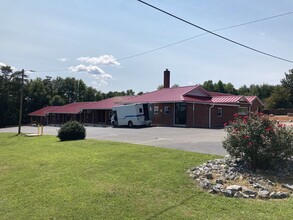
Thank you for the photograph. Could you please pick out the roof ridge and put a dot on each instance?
(229, 95)
(196, 85)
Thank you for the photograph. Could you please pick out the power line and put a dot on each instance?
(215, 30)
(190, 38)
(217, 35)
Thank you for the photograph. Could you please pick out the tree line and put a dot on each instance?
(273, 96)
(58, 91)
(38, 93)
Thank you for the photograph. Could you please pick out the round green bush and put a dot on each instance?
(260, 142)
(71, 130)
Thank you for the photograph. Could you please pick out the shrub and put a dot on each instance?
(260, 142)
(71, 130)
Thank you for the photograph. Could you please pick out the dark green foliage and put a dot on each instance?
(209, 86)
(219, 87)
(159, 87)
(71, 130)
(280, 98)
(10, 84)
(260, 142)
(57, 100)
(39, 93)
(287, 83)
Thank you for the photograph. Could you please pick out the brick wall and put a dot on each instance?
(227, 115)
(197, 115)
(162, 117)
(256, 106)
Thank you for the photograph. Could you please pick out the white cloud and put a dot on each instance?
(64, 59)
(14, 69)
(94, 71)
(91, 69)
(100, 83)
(102, 79)
(102, 60)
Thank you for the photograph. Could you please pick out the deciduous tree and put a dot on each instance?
(280, 98)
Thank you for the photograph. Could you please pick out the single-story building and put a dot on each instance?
(41, 116)
(187, 106)
(191, 106)
(90, 113)
(256, 104)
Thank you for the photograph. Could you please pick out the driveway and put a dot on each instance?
(189, 139)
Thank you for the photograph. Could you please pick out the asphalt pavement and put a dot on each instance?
(207, 141)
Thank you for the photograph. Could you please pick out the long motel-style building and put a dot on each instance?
(186, 106)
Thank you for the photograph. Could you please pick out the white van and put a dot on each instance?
(131, 115)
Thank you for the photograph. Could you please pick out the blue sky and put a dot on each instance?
(86, 39)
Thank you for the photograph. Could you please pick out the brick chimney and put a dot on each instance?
(166, 78)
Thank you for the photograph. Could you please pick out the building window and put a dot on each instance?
(243, 111)
(156, 110)
(220, 112)
(167, 110)
(140, 110)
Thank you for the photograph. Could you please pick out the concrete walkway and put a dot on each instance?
(189, 139)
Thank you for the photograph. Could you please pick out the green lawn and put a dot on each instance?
(42, 178)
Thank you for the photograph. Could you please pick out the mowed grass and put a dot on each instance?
(43, 178)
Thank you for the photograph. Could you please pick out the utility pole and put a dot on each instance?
(21, 101)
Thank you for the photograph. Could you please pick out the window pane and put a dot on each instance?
(156, 109)
(167, 109)
(220, 112)
(242, 110)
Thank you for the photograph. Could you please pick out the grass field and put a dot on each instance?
(42, 178)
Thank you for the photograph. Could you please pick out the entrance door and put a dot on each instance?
(146, 112)
(180, 113)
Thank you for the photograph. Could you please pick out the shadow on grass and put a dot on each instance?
(169, 208)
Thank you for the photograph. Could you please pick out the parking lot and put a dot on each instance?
(189, 139)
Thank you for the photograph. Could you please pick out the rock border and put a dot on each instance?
(231, 177)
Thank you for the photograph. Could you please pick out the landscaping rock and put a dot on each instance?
(264, 194)
(250, 193)
(220, 181)
(205, 184)
(217, 188)
(287, 186)
(234, 188)
(240, 195)
(228, 193)
(213, 174)
(209, 176)
(279, 195)
(271, 183)
(258, 186)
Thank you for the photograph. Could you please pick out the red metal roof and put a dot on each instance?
(107, 103)
(44, 111)
(179, 94)
(252, 98)
(229, 99)
(78, 107)
(72, 108)
(167, 95)
(220, 94)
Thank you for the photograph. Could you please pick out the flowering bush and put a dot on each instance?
(260, 142)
